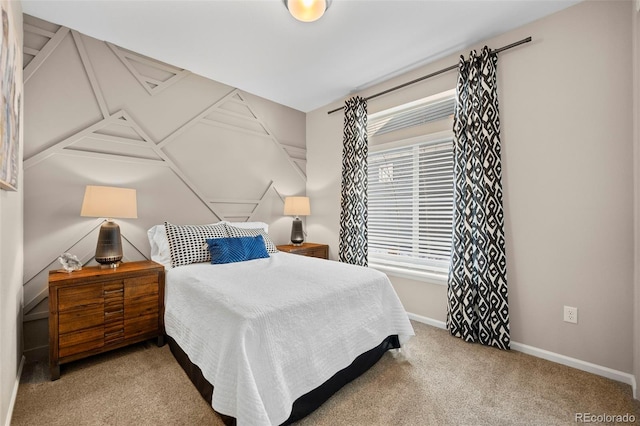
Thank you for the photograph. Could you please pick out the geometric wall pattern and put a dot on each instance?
(152, 75)
(222, 160)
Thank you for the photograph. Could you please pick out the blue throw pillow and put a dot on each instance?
(238, 249)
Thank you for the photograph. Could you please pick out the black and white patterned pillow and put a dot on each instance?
(188, 243)
(242, 232)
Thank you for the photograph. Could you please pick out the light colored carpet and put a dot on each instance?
(444, 382)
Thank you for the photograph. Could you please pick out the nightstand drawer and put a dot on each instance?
(114, 327)
(321, 253)
(140, 287)
(140, 325)
(113, 336)
(78, 296)
(140, 305)
(81, 341)
(114, 310)
(80, 319)
(113, 290)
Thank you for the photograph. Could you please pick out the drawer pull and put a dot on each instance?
(113, 334)
(114, 312)
(113, 291)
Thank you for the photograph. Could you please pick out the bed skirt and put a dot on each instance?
(307, 402)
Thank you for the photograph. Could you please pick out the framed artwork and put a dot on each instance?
(10, 105)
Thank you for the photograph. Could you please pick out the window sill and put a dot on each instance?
(428, 277)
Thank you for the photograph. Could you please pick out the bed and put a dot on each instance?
(266, 340)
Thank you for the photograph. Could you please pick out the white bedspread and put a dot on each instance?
(267, 331)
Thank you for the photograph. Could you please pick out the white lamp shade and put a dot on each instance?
(109, 202)
(297, 206)
(307, 10)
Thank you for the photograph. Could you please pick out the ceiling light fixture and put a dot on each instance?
(307, 10)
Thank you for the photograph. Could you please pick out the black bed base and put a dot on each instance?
(307, 402)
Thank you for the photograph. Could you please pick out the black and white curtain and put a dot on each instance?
(478, 309)
(353, 212)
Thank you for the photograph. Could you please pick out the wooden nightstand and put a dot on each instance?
(307, 249)
(95, 310)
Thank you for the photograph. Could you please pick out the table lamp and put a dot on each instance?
(297, 206)
(109, 202)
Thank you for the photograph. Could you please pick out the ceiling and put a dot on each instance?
(256, 46)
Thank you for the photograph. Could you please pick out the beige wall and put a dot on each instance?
(11, 257)
(566, 116)
(196, 151)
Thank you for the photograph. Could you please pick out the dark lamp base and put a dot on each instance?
(297, 235)
(109, 248)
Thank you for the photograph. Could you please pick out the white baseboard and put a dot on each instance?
(429, 321)
(14, 394)
(600, 370)
(607, 372)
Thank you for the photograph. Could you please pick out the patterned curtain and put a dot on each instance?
(353, 213)
(478, 309)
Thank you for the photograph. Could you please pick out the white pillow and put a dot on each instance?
(249, 225)
(160, 253)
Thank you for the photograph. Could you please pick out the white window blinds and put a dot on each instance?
(410, 206)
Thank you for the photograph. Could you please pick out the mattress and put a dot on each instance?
(267, 331)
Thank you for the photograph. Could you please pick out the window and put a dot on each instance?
(410, 196)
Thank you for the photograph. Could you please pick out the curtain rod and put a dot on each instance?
(433, 74)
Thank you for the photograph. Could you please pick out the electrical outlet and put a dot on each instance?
(571, 314)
